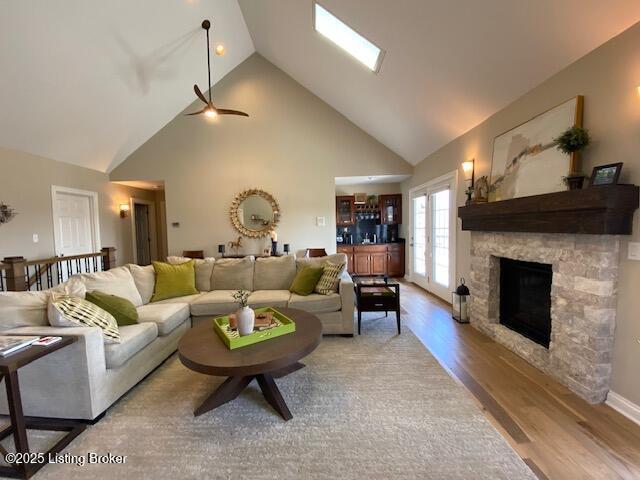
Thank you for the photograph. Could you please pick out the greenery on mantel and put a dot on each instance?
(574, 139)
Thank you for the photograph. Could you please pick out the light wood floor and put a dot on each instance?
(559, 435)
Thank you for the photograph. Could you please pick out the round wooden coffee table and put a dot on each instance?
(201, 350)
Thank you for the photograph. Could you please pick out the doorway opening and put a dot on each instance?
(144, 231)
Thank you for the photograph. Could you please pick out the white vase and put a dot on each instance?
(245, 317)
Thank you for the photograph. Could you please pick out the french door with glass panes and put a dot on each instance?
(433, 236)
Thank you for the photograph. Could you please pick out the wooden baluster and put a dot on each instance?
(38, 273)
(50, 276)
(59, 272)
(15, 275)
(108, 258)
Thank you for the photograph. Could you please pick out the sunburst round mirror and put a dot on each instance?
(254, 213)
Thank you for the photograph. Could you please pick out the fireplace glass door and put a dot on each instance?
(525, 299)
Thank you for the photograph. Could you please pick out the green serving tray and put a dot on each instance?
(232, 338)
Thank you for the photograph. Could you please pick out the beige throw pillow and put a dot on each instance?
(117, 281)
(274, 273)
(203, 269)
(145, 280)
(233, 274)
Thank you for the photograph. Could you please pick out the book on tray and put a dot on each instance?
(13, 343)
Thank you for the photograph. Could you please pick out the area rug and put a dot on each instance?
(377, 406)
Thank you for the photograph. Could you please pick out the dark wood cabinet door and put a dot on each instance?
(390, 209)
(350, 268)
(395, 261)
(379, 263)
(362, 263)
(345, 210)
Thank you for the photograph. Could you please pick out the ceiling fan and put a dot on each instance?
(211, 110)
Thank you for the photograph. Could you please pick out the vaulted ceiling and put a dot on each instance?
(448, 64)
(88, 81)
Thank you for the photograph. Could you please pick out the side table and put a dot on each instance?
(9, 367)
(377, 294)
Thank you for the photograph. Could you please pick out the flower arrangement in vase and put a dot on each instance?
(245, 316)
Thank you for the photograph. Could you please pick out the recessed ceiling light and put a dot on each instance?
(346, 38)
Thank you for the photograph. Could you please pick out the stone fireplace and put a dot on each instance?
(584, 273)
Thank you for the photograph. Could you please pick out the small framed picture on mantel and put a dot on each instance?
(605, 174)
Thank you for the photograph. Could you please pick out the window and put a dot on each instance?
(346, 38)
(440, 236)
(420, 235)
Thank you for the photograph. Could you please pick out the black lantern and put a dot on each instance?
(221, 248)
(460, 303)
(286, 248)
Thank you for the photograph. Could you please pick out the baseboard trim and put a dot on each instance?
(624, 406)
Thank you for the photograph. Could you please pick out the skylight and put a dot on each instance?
(346, 38)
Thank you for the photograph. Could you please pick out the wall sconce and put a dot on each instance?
(468, 169)
(124, 210)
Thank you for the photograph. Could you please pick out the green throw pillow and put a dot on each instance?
(306, 280)
(174, 280)
(122, 309)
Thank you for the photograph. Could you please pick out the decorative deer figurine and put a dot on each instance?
(237, 245)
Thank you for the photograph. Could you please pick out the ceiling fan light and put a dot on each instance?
(220, 49)
(210, 112)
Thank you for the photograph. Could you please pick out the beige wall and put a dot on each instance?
(369, 188)
(293, 145)
(607, 78)
(25, 184)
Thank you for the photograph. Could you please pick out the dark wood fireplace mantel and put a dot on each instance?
(593, 210)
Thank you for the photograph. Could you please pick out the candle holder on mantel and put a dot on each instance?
(460, 303)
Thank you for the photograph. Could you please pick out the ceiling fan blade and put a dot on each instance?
(225, 111)
(199, 94)
(196, 113)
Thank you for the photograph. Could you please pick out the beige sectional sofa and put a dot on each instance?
(269, 280)
(82, 380)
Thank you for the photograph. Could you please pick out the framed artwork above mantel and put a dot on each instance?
(525, 158)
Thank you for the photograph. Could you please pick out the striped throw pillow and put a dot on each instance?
(330, 278)
(67, 311)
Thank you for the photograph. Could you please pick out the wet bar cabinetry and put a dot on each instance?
(390, 209)
(345, 210)
(376, 259)
(387, 210)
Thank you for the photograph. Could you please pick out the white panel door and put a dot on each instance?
(73, 223)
